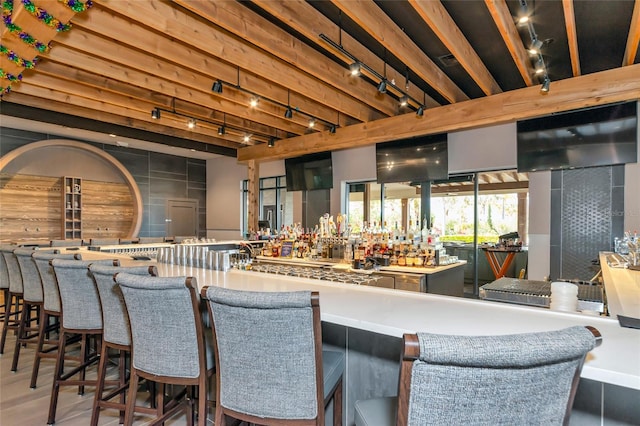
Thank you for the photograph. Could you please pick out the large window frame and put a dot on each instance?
(280, 200)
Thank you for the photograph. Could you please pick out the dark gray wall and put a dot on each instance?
(158, 176)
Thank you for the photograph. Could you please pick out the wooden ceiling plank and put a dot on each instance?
(633, 40)
(441, 23)
(374, 21)
(244, 23)
(507, 28)
(39, 86)
(572, 38)
(181, 26)
(31, 24)
(162, 81)
(621, 84)
(80, 111)
(113, 27)
(306, 20)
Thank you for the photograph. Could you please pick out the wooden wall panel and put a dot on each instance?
(30, 207)
(107, 210)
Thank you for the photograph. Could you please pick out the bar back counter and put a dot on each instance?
(368, 322)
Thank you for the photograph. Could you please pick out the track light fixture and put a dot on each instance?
(420, 111)
(246, 138)
(256, 98)
(312, 123)
(382, 86)
(404, 100)
(217, 86)
(545, 85)
(288, 113)
(222, 130)
(332, 129)
(359, 67)
(355, 70)
(191, 123)
(272, 142)
(535, 47)
(155, 113)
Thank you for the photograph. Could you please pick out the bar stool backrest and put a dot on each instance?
(104, 241)
(166, 326)
(79, 300)
(4, 273)
(506, 379)
(42, 259)
(13, 270)
(31, 282)
(150, 240)
(114, 312)
(66, 243)
(266, 346)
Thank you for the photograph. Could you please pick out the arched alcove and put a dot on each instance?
(31, 191)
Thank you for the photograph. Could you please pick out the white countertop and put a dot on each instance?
(394, 312)
(622, 287)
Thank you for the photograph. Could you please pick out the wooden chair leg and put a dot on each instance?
(44, 321)
(13, 311)
(84, 344)
(22, 325)
(131, 399)
(202, 402)
(102, 370)
(337, 405)
(57, 374)
(122, 369)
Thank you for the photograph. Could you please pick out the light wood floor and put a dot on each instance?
(22, 406)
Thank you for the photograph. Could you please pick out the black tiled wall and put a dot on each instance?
(159, 177)
(587, 213)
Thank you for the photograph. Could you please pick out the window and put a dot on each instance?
(275, 203)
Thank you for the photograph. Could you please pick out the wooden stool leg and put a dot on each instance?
(131, 399)
(44, 322)
(12, 311)
(337, 405)
(57, 374)
(22, 325)
(122, 368)
(102, 370)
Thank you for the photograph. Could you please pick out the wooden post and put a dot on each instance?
(253, 170)
(522, 217)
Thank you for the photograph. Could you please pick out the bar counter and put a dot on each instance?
(393, 313)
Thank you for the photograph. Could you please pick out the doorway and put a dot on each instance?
(182, 217)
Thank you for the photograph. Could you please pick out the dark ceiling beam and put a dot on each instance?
(620, 84)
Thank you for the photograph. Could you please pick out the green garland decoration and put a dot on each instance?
(7, 11)
(44, 17)
(13, 57)
(76, 5)
(10, 76)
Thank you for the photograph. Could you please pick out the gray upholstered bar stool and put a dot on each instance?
(271, 369)
(4, 286)
(116, 335)
(517, 379)
(32, 299)
(168, 342)
(80, 313)
(14, 306)
(47, 347)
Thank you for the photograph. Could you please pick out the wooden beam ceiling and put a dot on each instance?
(633, 40)
(435, 15)
(370, 17)
(615, 85)
(572, 38)
(507, 28)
